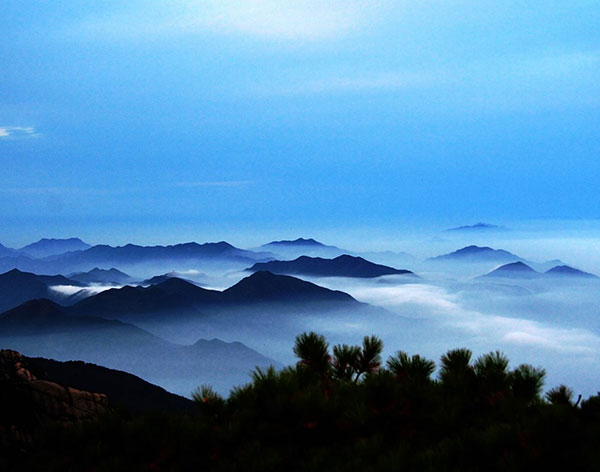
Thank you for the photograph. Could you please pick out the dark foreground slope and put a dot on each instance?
(344, 410)
(123, 390)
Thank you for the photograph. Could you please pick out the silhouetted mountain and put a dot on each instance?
(123, 390)
(341, 266)
(6, 251)
(104, 255)
(43, 328)
(514, 270)
(301, 246)
(546, 265)
(17, 287)
(475, 254)
(157, 279)
(180, 256)
(297, 242)
(22, 262)
(175, 295)
(102, 276)
(477, 227)
(170, 295)
(265, 287)
(566, 271)
(30, 405)
(43, 316)
(49, 247)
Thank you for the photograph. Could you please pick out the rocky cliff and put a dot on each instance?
(28, 404)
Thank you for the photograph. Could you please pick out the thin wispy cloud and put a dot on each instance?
(215, 183)
(17, 132)
(57, 190)
(506, 81)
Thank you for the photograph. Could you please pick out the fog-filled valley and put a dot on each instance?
(208, 313)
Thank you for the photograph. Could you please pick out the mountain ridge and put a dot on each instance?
(341, 266)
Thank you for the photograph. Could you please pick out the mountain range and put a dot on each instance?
(177, 295)
(104, 256)
(476, 228)
(43, 328)
(341, 266)
(477, 254)
(291, 249)
(102, 276)
(520, 270)
(17, 287)
(49, 246)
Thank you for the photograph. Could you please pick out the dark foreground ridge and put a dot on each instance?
(344, 409)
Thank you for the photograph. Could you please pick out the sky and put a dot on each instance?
(125, 120)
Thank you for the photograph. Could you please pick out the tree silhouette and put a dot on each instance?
(561, 395)
(345, 361)
(527, 382)
(313, 351)
(415, 368)
(369, 357)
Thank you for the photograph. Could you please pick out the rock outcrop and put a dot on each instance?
(29, 404)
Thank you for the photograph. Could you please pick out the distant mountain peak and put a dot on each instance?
(266, 286)
(297, 242)
(478, 253)
(98, 275)
(55, 240)
(565, 270)
(514, 270)
(53, 246)
(516, 266)
(39, 307)
(477, 227)
(341, 266)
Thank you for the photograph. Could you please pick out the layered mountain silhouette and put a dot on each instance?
(514, 270)
(301, 247)
(176, 294)
(520, 270)
(6, 251)
(43, 316)
(48, 247)
(566, 271)
(310, 242)
(131, 253)
(102, 276)
(17, 287)
(43, 328)
(104, 256)
(341, 266)
(476, 228)
(477, 254)
(157, 279)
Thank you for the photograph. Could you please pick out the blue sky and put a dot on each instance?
(123, 117)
